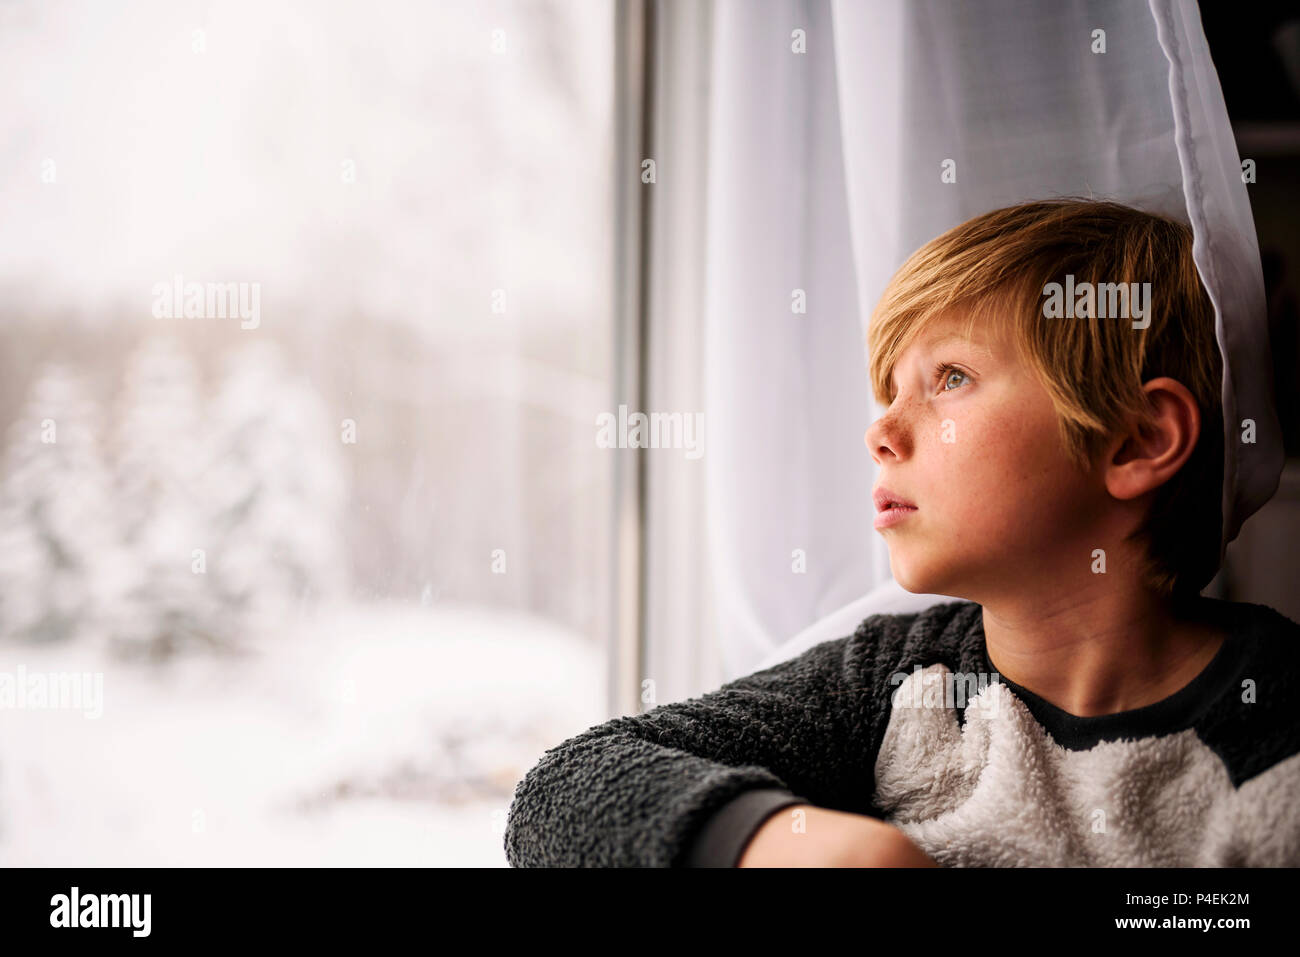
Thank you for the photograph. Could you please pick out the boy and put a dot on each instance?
(1060, 471)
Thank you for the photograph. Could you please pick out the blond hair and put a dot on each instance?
(995, 268)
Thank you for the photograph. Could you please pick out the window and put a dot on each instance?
(307, 324)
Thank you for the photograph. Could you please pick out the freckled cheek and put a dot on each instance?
(952, 482)
(987, 474)
(1028, 472)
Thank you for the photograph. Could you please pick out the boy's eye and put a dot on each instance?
(944, 372)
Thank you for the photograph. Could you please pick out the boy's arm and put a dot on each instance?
(688, 783)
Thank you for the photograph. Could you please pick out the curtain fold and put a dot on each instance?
(1227, 255)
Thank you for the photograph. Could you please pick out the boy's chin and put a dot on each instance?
(932, 581)
(908, 579)
(920, 580)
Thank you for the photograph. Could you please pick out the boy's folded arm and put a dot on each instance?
(676, 786)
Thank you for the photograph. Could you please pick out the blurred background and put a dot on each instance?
(307, 313)
(1257, 57)
(342, 564)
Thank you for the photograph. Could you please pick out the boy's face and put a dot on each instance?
(999, 506)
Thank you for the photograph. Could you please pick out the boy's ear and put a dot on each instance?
(1154, 448)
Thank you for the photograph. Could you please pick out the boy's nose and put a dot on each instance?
(885, 439)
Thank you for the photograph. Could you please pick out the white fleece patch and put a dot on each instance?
(1000, 792)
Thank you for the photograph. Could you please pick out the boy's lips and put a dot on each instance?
(891, 508)
(884, 498)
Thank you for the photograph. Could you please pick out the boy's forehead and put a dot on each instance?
(936, 338)
(952, 331)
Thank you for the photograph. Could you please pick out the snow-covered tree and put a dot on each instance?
(57, 537)
(277, 485)
(213, 520)
(165, 510)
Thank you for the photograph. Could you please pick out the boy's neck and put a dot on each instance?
(1101, 655)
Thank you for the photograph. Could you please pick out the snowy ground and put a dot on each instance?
(377, 735)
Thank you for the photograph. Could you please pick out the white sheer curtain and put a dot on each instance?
(787, 401)
(825, 173)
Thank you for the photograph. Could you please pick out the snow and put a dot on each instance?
(371, 735)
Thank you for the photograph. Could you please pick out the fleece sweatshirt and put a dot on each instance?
(908, 721)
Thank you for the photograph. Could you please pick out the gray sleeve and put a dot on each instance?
(724, 835)
(656, 789)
